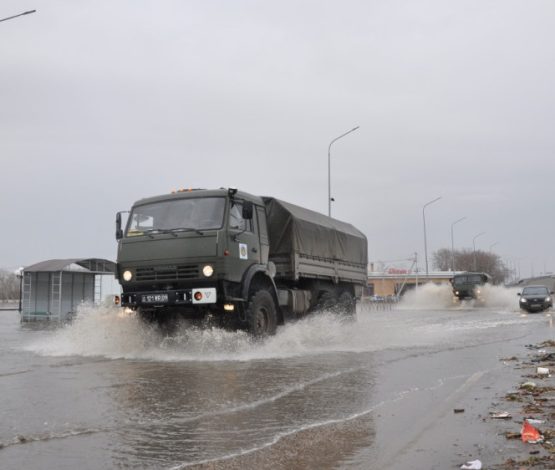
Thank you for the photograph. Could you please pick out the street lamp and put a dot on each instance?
(329, 166)
(425, 241)
(474, 246)
(492, 245)
(453, 243)
(16, 16)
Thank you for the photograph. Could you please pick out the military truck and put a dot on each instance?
(251, 262)
(467, 285)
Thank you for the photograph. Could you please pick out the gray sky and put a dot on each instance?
(105, 102)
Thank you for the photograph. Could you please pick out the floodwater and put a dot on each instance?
(109, 392)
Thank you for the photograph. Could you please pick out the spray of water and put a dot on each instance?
(105, 332)
(500, 297)
(428, 297)
(439, 297)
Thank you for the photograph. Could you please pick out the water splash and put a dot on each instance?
(500, 297)
(440, 296)
(428, 297)
(105, 332)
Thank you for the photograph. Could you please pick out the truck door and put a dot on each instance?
(245, 244)
(263, 233)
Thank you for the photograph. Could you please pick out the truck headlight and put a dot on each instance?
(127, 275)
(523, 300)
(548, 299)
(208, 270)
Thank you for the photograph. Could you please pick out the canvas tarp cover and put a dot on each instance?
(294, 229)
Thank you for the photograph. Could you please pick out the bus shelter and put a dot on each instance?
(53, 289)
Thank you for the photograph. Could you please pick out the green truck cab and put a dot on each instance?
(252, 262)
(468, 285)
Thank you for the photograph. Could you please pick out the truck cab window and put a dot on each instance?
(139, 223)
(177, 214)
(236, 221)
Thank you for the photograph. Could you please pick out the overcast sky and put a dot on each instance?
(106, 102)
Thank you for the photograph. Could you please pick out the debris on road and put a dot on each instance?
(528, 385)
(500, 415)
(535, 422)
(472, 465)
(536, 405)
(458, 410)
(530, 434)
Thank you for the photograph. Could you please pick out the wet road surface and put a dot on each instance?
(109, 392)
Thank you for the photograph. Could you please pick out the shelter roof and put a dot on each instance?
(89, 265)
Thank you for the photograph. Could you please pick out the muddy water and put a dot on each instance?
(109, 392)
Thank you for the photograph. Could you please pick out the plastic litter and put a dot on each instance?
(542, 370)
(472, 465)
(535, 422)
(500, 415)
(528, 385)
(530, 434)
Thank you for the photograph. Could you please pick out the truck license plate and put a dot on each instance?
(154, 298)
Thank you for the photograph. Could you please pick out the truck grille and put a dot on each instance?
(168, 273)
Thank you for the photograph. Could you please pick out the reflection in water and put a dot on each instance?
(187, 413)
(213, 396)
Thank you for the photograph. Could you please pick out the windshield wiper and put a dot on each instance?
(185, 229)
(157, 230)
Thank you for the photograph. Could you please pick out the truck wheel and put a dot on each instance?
(327, 301)
(261, 314)
(346, 305)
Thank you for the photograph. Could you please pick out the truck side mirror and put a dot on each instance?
(518, 293)
(247, 210)
(119, 231)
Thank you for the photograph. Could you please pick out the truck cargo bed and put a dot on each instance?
(306, 244)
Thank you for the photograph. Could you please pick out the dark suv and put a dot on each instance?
(535, 299)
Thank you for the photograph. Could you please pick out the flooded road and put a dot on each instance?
(109, 392)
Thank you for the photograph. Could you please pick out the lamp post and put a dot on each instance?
(426, 241)
(474, 246)
(329, 166)
(492, 245)
(453, 243)
(16, 16)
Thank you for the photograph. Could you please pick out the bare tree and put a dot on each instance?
(9, 286)
(489, 263)
(441, 259)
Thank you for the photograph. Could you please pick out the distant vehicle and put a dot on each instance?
(468, 285)
(247, 261)
(535, 299)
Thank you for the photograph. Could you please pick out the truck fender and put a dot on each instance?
(247, 280)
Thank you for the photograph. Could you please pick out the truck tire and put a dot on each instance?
(327, 302)
(346, 305)
(261, 314)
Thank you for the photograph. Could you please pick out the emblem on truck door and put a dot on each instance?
(243, 252)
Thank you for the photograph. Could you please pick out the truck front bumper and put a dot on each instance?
(193, 296)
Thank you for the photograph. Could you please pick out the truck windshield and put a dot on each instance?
(178, 214)
(468, 279)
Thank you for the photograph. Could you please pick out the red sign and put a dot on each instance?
(397, 271)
